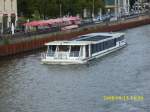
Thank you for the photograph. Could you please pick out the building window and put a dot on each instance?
(13, 19)
(11, 4)
(4, 5)
(5, 21)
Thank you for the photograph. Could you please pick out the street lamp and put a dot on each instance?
(93, 8)
(60, 8)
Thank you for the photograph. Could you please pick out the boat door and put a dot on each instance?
(63, 52)
(87, 50)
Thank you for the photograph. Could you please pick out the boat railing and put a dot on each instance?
(43, 55)
(61, 55)
(74, 54)
(51, 54)
(67, 55)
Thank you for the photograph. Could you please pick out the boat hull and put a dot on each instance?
(63, 62)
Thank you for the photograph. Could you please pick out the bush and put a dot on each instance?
(6, 41)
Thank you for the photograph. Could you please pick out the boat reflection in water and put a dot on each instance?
(83, 49)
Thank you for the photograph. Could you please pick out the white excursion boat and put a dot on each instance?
(83, 48)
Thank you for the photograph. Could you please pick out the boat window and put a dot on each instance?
(75, 48)
(109, 44)
(97, 47)
(75, 51)
(87, 50)
(102, 46)
(63, 48)
(120, 38)
(51, 50)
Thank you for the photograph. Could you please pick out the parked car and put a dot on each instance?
(106, 18)
(113, 19)
(97, 19)
(86, 22)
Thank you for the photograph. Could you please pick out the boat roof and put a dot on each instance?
(105, 34)
(97, 36)
(87, 39)
(69, 43)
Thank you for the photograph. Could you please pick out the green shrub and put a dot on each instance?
(6, 41)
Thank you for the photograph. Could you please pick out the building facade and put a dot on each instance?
(8, 14)
(141, 5)
(118, 7)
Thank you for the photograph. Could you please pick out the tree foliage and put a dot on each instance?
(51, 8)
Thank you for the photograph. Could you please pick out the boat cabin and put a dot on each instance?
(83, 48)
(68, 49)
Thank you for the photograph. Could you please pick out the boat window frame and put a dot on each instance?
(120, 38)
(95, 48)
(58, 48)
(79, 51)
(51, 52)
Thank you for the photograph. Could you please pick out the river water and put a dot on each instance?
(28, 86)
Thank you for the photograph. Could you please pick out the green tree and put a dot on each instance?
(51, 8)
(25, 8)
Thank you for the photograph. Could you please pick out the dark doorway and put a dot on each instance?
(132, 2)
(13, 19)
(0, 28)
(87, 51)
(5, 21)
